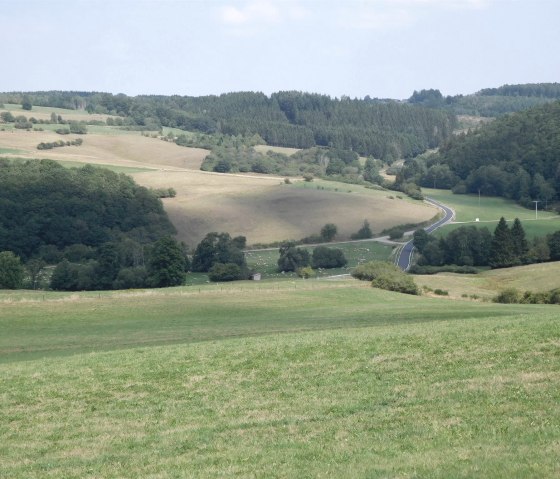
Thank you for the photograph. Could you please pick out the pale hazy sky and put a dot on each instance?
(380, 48)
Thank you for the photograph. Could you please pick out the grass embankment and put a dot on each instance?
(489, 211)
(486, 284)
(374, 384)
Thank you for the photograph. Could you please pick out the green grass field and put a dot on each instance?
(490, 210)
(266, 261)
(318, 380)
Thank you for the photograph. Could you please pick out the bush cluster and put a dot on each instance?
(58, 144)
(514, 296)
(386, 276)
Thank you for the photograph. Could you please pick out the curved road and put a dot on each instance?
(405, 254)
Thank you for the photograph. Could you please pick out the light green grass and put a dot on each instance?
(361, 383)
(11, 151)
(487, 284)
(16, 108)
(129, 170)
(266, 261)
(490, 210)
(467, 207)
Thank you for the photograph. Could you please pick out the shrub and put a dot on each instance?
(324, 257)
(131, 278)
(386, 276)
(508, 296)
(441, 292)
(363, 233)
(306, 272)
(450, 268)
(400, 283)
(225, 272)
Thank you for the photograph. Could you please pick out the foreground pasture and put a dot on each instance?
(286, 379)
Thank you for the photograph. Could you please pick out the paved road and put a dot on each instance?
(405, 255)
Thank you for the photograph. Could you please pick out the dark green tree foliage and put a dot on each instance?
(520, 245)
(502, 249)
(421, 239)
(11, 271)
(44, 204)
(218, 248)
(324, 257)
(386, 130)
(108, 266)
(363, 233)
(73, 277)
(553, 241)
(430, 98)
(328, 232)
(517, 157)
(465, 246)
(292, 258)
(225, 272)
(167, 264)
(26, 103)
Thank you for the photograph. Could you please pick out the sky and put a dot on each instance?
(380, 48)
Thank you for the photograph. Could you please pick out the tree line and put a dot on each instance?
(469, 246)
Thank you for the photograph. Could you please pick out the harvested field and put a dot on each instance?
(120, 150)
(265, 210)
(260, 207)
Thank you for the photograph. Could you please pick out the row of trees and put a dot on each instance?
(472, 246)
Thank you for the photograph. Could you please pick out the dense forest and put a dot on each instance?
(516, 156)
(490, 102)
(101, 229)
(384, 129)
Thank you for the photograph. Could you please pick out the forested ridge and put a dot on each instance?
(383, 129)
(516, 156)
(490, 102)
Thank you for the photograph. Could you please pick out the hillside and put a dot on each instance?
(515, 157)
(386, 130)
(260, 207)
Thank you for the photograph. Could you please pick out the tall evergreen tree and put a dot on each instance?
(520, 245)
(501, 250)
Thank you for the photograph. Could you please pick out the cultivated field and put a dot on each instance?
(260, 207)
(288, 379)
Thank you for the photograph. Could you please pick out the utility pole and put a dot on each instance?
(536, 209)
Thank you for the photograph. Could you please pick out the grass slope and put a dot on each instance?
(533, 277)
(373, 384)
(490, 210)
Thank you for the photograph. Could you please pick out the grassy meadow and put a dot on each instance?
(486, 284)
(278, 379)
(489, 211)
